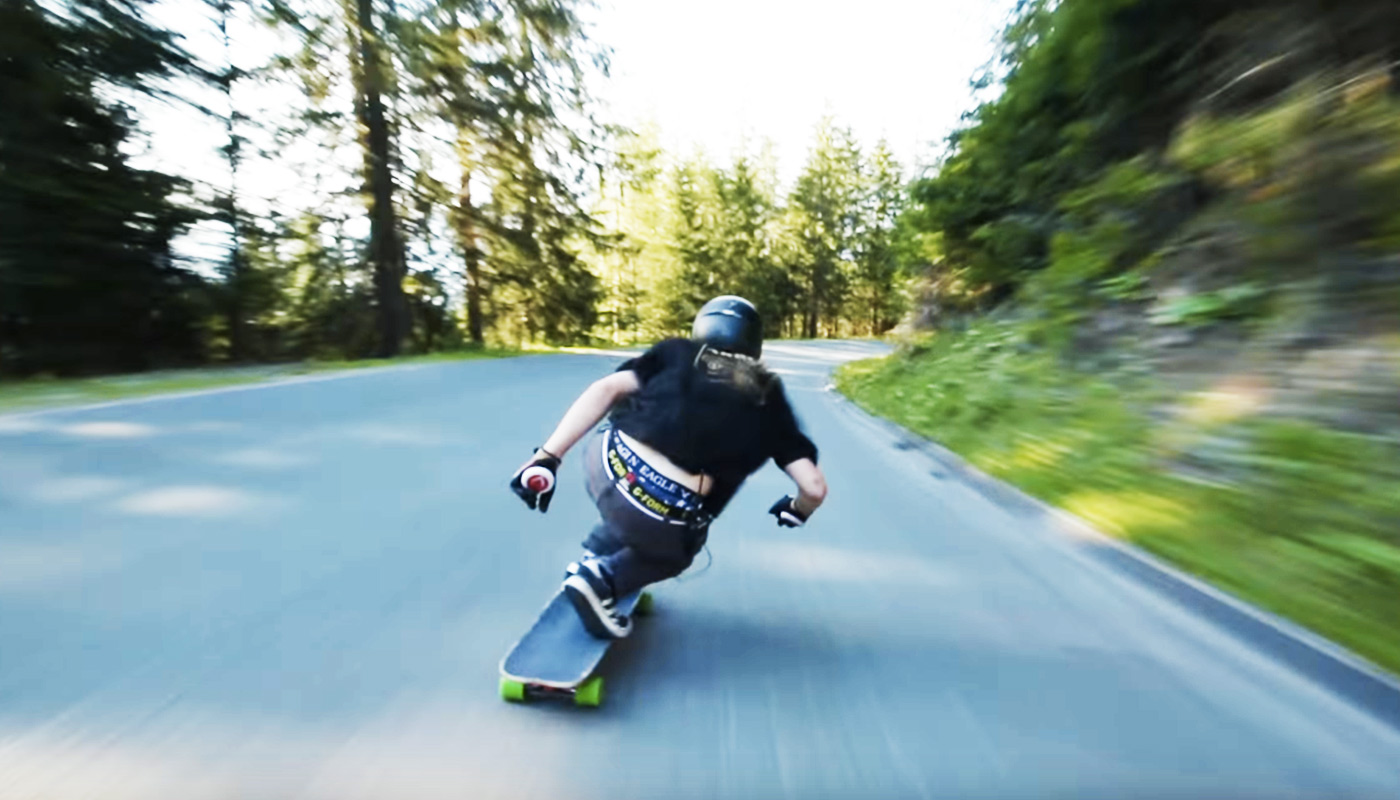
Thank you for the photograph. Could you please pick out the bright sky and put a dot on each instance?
(712, 73)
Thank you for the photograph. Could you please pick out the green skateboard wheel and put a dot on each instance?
(513, 691)
(645, 605)
(590, 692)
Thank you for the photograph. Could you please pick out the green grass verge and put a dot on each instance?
(1299, 519)
(39, 393)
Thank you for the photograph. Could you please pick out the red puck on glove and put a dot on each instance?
(538, 479)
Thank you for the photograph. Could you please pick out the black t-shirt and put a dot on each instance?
(710, 412)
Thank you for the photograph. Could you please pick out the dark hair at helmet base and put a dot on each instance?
(729, 323)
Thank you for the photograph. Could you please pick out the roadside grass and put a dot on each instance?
(38, 393)
(1300, 519)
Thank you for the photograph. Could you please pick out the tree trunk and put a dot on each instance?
(385, 248)
(236, 280)
(813, 304)
(533, 268)
(471, 254)
(237, 314)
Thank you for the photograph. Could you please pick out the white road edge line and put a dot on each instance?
(270, 383)
(261, 384)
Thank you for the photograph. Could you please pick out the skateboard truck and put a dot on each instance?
(588, 694)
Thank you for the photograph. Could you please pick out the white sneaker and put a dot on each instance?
(591, 594)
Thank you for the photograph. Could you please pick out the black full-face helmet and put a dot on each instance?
(729, 323)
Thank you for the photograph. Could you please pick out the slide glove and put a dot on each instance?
(788, 515)
(534, 482)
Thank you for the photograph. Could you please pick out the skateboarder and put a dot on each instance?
(689, 421)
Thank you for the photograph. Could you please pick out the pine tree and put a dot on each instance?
(876, 301)
(824, 214)
(328, 307)
(694, 239)
(536, 158)
(452, 50)
(636, 260)
(87, 277)
(239, 284)
(370, 72)
(744, 236)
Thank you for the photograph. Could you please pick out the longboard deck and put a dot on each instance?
(558, 651)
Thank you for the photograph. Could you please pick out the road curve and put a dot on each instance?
(303, 590)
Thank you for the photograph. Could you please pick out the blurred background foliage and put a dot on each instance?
(454, 187)
(1166, 294)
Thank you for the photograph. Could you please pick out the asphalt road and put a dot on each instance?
(304, 590)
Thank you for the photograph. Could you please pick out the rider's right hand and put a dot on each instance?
(536, 497)
(788, 514)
